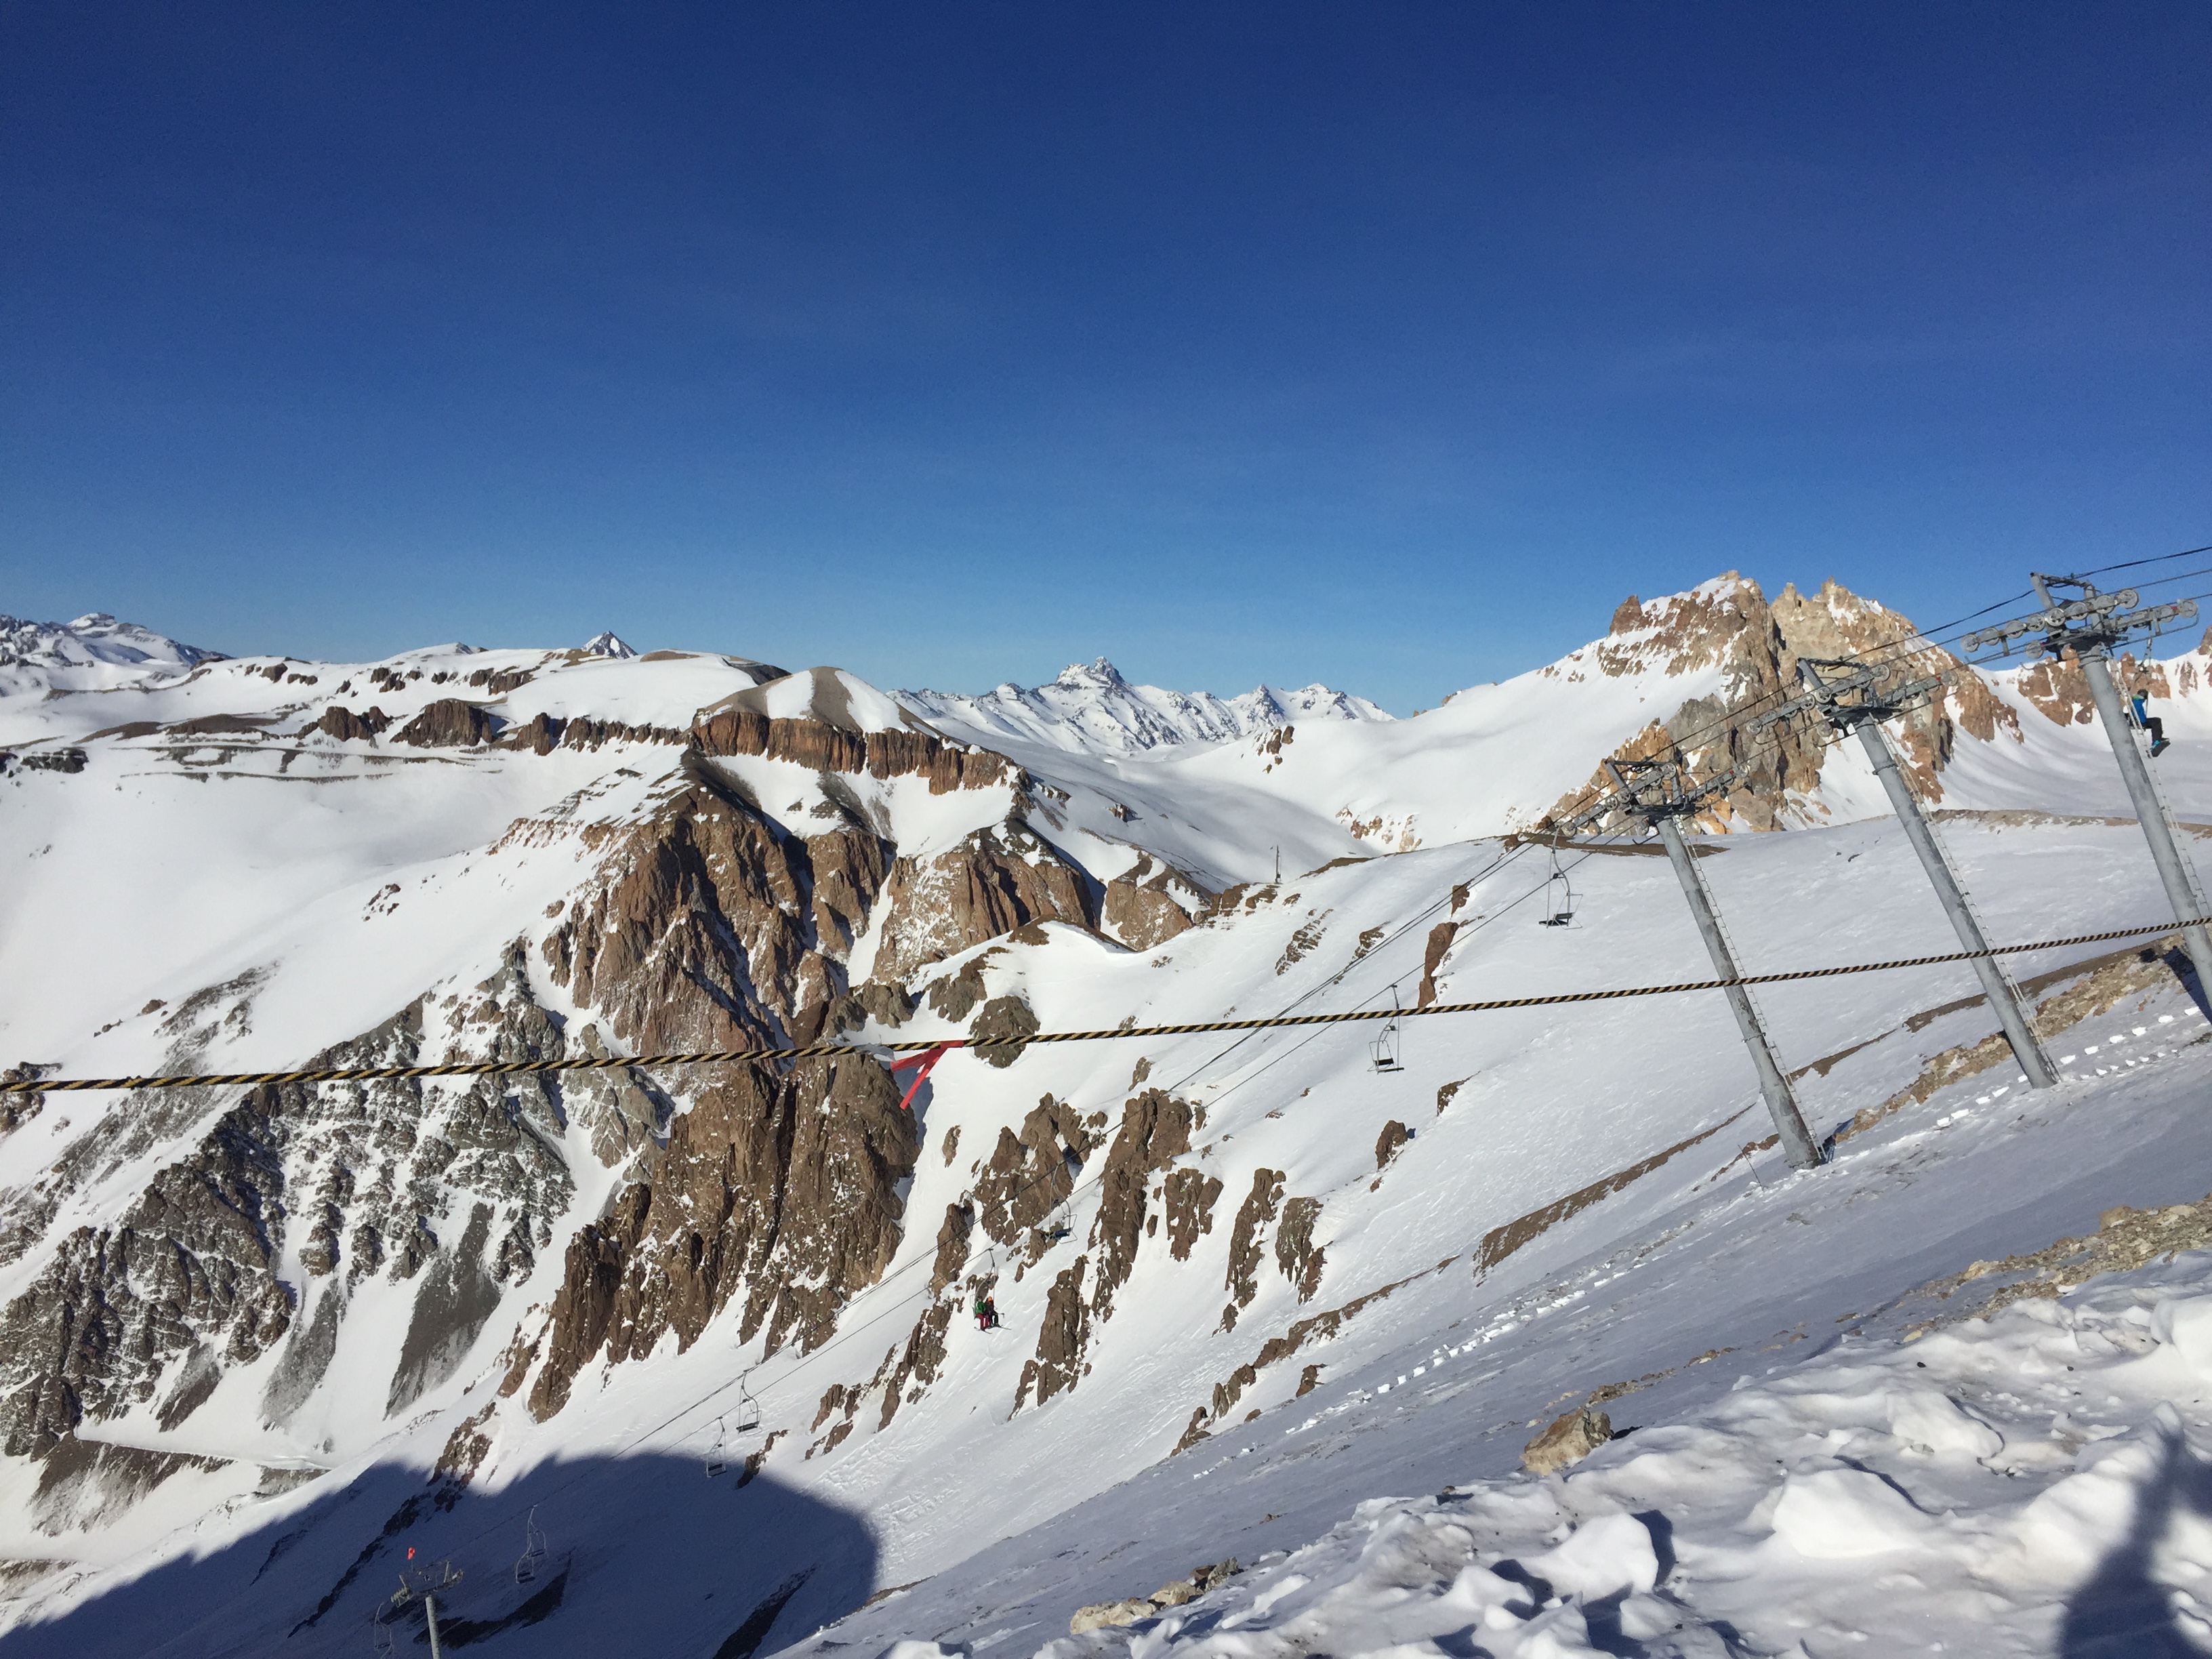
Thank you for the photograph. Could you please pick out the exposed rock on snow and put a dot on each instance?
(1566, 1439)
(449, 723)
(608, 644)
(1181, 1592)
(993, 882)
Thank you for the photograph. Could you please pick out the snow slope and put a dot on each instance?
(1337, 1285)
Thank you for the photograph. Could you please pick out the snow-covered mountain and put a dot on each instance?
(710, 1324)
(95, 653)
(1091, 709)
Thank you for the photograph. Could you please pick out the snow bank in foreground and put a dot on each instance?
(2027, 1484)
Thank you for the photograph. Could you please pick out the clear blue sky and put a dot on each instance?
(1383, 344)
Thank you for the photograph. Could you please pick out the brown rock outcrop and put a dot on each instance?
(1728, 624)
(1247, 1247)
(1189, 1196)
(730, 728)
(342, 723)
(585, 733)
(1029, 1175)
(1300, 1259)
(703, 920)
(541, 736)
(1058, 1365)
(449, 723)
(1567, 1439)
(952, 1246)
(783, 1187)
(999, 1030)
(920, 1361)
(993, 882)
(1390, 1143)
(1155, 1130)
(1140, 909)
(1432, 957)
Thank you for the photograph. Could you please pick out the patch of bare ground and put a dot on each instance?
(1501, 1241)
(2125, 1238)
(2090, 988)
(1318, 1327)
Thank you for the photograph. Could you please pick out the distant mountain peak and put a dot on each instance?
(1091, 708)
(95, 653)
(610, 644)
(1099, 672)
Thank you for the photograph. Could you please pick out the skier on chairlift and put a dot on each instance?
(2150, 723)
(987, 1312)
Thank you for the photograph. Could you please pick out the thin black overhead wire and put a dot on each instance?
(2161, 558)
(1502, 861)
(1477, 925)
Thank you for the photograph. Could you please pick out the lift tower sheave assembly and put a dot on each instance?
(1856, 697)
(1654, 791)
(2091, 627)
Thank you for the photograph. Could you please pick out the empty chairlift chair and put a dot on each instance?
(1383, 1052)
(1559, 897)
(532, 1559)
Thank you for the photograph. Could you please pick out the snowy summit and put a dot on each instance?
(1090, 708)
(95, 653)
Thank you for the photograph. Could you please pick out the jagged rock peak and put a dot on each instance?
(610, 644)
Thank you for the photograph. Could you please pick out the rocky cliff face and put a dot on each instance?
(293, 1198)
(781, 1187)
(1728, 624)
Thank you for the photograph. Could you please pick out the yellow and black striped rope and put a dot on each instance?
(820, 1050)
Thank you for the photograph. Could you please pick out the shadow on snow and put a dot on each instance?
(645, 1555)
(2126, 1608)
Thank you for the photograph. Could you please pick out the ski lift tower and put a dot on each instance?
(1656, 791)
(1853, 696)
(2090, 627)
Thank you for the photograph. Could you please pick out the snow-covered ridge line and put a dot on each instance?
(94, 652)
(1090, 708)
